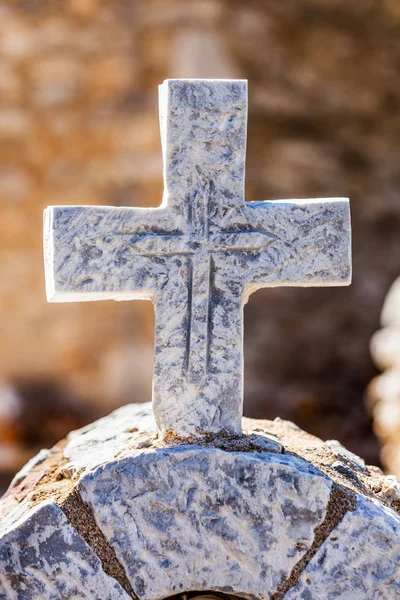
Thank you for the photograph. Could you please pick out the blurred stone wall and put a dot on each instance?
(79, 125)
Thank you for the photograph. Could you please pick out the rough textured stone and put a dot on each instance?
(360, 559)
(99, 442)
(42, 557)
(199, 256)
(33, 462)
(391, 487)
(105, 439)
(349, 458)
(132, 512)
(227, 510)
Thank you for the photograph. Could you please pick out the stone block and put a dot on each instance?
(42, 557)
(359, 560)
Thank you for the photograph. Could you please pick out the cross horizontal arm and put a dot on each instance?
(90, 252)
(310, 243)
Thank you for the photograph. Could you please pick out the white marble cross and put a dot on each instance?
(199, 255)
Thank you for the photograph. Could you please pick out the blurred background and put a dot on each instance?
(79, 125)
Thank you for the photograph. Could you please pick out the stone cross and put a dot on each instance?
(199, 255)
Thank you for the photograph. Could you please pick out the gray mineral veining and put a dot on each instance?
(199, 255)
(42, 557)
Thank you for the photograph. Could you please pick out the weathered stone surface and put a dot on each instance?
(42, 557)
(349, 458)
(199, 256)
(391, 488)
(163, 518)
(101, 441)
(360, 559)
(199, 518)
(134, 424)
(33, 462)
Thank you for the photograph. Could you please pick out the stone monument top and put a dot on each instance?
(199, 255)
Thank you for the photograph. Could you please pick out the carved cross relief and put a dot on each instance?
(199, 255)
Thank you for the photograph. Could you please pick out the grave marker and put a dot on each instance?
(199, 255)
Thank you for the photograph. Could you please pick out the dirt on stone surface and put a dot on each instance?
(79, 125)
(53, 477)
(346, 469)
